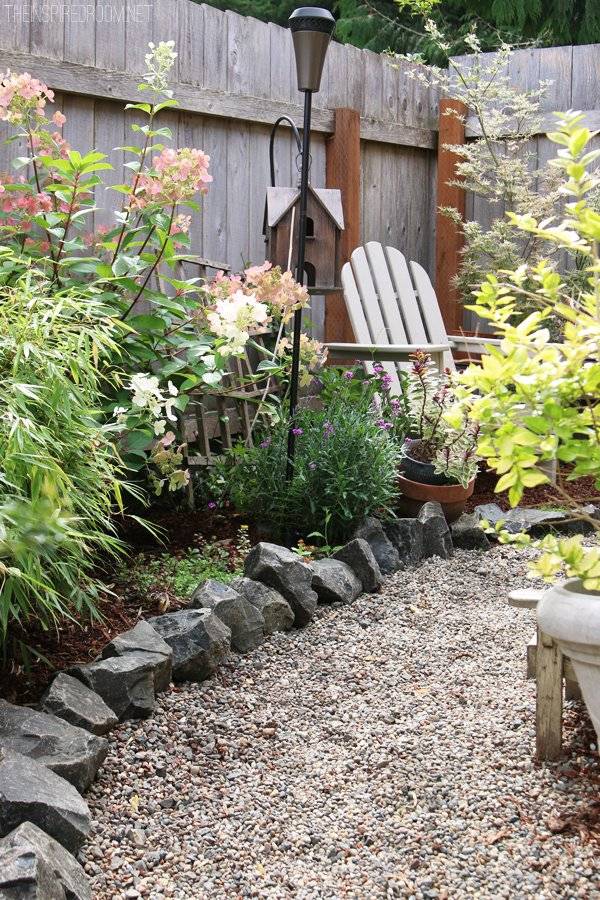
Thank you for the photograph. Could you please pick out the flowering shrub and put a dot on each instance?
(187, 331)
(535, 400)
(368, 390)
(344, 469)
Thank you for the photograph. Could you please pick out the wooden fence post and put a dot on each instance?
(449, 238)
(343, 172)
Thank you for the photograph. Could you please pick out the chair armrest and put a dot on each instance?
(386, 352)
(463, 343)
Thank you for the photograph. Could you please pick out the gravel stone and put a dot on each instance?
(358, 555)
(74, 702)
(335, 582)
(143, 638)
(387, 751)
(70, 752)
(274, 608)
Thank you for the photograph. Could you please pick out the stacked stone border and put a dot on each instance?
(49, 756)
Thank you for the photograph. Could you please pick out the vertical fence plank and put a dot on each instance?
(215, 137)
(449, 238)
(343, 172)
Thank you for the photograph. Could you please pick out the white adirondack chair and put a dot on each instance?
(394, 312)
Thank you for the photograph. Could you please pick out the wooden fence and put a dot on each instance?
(574, 76)
(233, 77)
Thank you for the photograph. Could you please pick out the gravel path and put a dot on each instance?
(384, 751)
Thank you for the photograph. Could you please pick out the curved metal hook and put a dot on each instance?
(292, 125)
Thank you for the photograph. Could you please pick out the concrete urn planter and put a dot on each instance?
(571, 615)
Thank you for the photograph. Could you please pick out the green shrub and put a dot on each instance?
(60, 472)
(345, 469)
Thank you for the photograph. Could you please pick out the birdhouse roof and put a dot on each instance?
(281, 199)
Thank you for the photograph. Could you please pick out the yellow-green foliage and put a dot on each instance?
(536, 400)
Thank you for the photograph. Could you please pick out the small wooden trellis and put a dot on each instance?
(216, 417)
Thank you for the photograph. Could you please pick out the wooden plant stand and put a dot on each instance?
(550, 667)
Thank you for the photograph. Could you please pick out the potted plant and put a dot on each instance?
(536, 400)
(438, 458)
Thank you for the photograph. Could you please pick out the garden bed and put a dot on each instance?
(184, 530)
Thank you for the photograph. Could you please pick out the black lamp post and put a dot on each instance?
(311, 29)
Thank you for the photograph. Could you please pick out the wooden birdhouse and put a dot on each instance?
(324, 225)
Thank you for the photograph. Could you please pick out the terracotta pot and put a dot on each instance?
(571, 615)
(414, 494)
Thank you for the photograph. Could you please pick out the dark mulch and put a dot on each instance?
(75, 642)
(582, 490)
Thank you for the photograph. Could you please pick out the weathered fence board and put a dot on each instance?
(234, 76)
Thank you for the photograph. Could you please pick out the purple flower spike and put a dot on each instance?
(381, 423)
(212, 505)
(328, 429)
(265, 443)
(348, 374)
(297, 431)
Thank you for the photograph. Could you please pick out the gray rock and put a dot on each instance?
(437, 540)
(537, 522)
(407, 537)
(199, 641)
(335, 582)
(72, 701)
(29, 842)
(71, 752)
(274, 608)
(145, 639)
(242, 618)
(358, 555)
(468, 535)
(279, 568)
(30, 792)
(371, 530)
(25, 875)
(491, 512)
(125, 683)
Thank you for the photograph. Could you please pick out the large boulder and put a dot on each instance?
(273, 607)
(199, 640)
(279, 568)
(407, 537)
(437, 540)
(143, 638)
(32, 853)
(335, 582)
(30, 792)
(371, 530)
(71, 752)
(125, 683)
(467, 534)
(358, 555)
(25, 875)
(244, 620)
(73, 701)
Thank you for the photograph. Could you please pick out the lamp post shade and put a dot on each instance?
(311, 29)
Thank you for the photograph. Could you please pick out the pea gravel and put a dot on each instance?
(384, 751)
